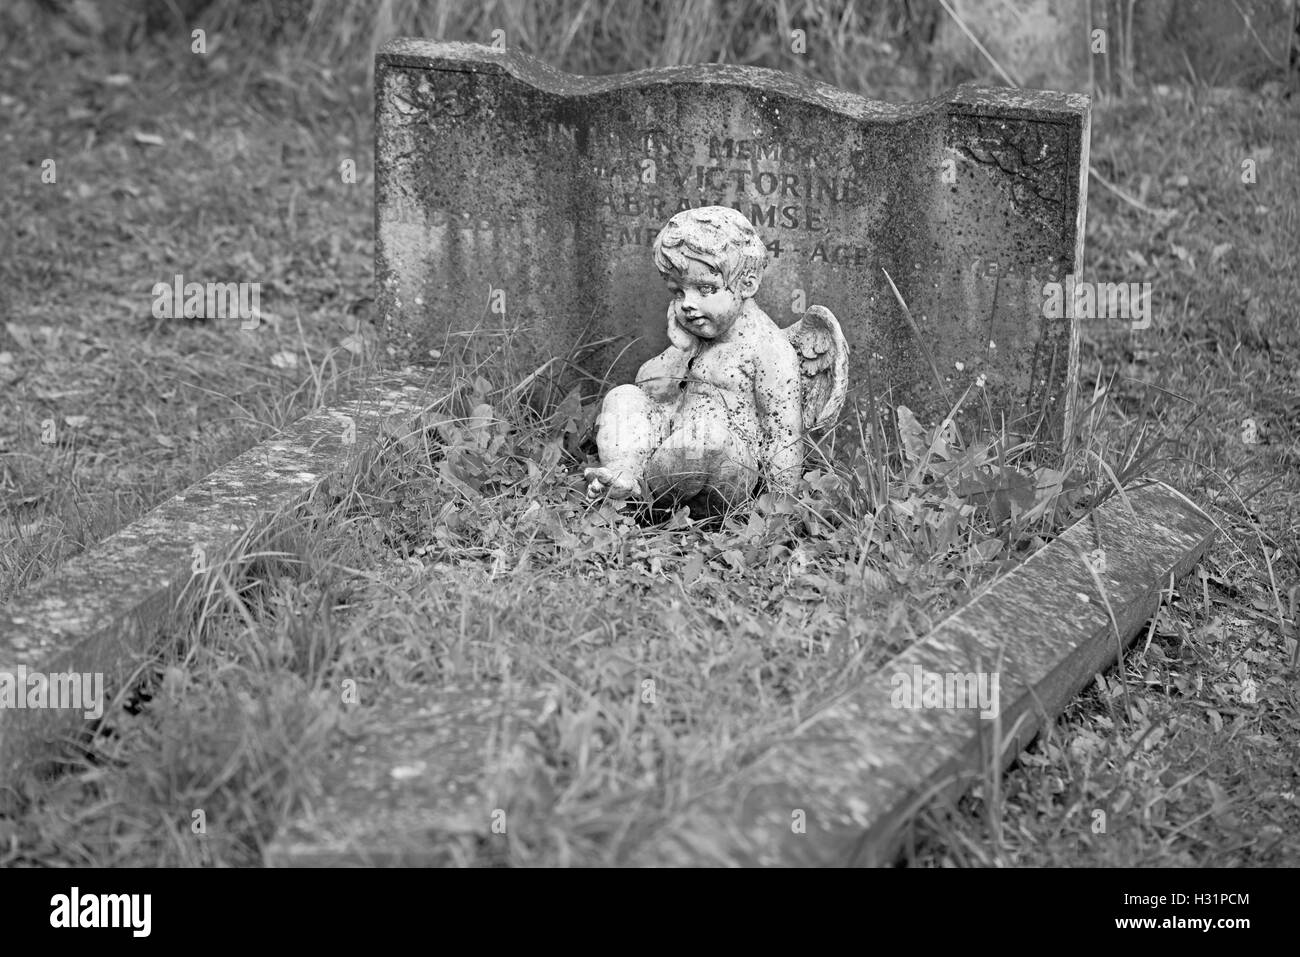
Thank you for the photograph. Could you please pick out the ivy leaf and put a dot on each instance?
(693, 568)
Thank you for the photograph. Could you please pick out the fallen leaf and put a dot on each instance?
(21, 334)
(912, 434)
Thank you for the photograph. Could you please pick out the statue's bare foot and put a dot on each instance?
(615, 483)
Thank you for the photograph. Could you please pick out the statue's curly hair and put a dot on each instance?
(717, 236)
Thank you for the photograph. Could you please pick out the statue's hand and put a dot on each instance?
(616, 484)
(677, 334)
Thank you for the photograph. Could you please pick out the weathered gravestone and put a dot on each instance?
(512, 198)
(1044, 43)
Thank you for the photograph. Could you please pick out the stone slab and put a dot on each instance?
(100, 611)
(523, 202)
(858, 770)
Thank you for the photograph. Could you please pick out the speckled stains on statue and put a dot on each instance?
(496, 172)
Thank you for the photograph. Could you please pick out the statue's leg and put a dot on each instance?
(628, 430)
(703, 456)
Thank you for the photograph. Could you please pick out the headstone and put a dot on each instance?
(518, 204)
(1035, 42)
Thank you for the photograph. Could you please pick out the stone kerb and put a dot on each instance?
(100, 613)
(857, 771)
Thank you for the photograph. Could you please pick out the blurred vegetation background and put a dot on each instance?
(848, 42)
(888, 49)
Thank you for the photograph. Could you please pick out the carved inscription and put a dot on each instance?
(642, 177)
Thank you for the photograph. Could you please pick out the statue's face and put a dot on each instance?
(705, 307)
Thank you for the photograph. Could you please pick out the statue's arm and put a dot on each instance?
(660, 377)
(778, 391)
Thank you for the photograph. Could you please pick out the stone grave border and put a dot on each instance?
(862, 767)
(103, 609)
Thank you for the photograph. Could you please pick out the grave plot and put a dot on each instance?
(546, 683)
(930, 231)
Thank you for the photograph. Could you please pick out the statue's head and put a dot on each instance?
(712, 260)
(718, 237)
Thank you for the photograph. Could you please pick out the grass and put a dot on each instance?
(140, 406)
(744, 626)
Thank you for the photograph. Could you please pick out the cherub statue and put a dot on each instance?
(727, 404)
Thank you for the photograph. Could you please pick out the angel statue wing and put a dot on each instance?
(824, 359)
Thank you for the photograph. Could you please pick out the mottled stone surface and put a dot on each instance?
(510, 196)
(100, 611)
(857, 770)
(419, 771)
